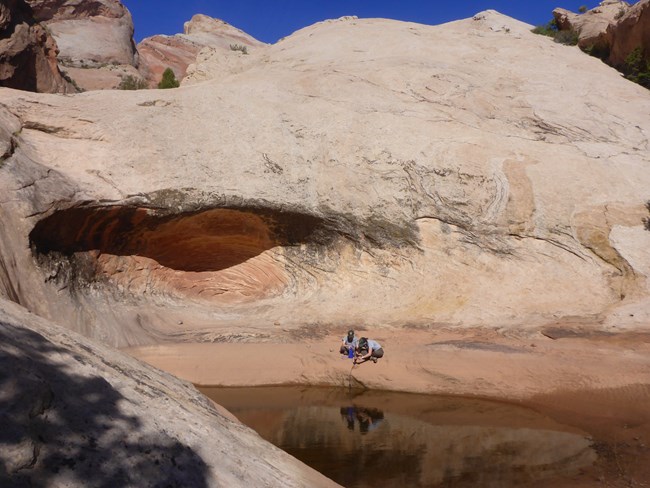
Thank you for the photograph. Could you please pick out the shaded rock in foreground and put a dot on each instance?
(80, 414)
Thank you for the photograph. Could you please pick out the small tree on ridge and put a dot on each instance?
(168, 80)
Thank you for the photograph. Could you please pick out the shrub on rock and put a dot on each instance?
(168, 80)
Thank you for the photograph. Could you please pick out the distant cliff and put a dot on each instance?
(70, 45)
(616, 32)
(28, 52)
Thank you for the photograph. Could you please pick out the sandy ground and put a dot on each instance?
(595, 381)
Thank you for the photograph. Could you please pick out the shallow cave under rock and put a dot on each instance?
(222, 248)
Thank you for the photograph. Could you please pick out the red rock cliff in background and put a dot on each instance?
(612, 30)
(90, 44)
(95, 40)
(28, 53)
(92, 41)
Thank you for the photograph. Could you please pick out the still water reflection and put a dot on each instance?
(366, 418)
(391, 439)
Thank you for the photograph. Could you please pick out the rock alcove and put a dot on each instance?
(227, 253)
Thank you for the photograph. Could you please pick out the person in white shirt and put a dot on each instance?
(368, 350)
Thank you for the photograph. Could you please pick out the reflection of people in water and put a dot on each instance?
(368, 418)
(348, 414)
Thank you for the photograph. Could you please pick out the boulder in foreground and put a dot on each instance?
(75, 413)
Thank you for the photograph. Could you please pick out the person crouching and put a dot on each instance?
(368, 350)
(349, 343)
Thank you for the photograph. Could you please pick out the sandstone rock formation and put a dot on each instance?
(179, 51)
(88, 34)
(76, 413)
(354, 172)
(631, 32)
(610, 31)
(27, 52)
(96, 48)
(95, 39)
(593, 24)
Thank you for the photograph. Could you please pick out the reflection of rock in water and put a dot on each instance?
(478, 456)
(402, 451)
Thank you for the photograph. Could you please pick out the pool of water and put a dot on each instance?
(370, 438)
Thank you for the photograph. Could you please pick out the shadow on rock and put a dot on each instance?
(62, 425)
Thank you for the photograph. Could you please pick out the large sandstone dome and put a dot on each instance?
(359, 171)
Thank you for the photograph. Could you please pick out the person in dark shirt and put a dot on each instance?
(349, 342)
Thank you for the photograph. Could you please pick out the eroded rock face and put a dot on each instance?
(88, 33)
(157, 53)
(592, 25)
(76, 413)
(28, 52)
(177, 52)
(95, 40)
(193, 255)
(66, 9)
(362, 185)
(610, 31)
(631, 32)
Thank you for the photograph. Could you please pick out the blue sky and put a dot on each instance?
(270, 20)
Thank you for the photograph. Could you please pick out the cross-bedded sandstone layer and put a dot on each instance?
(433, 187)
(221, 254)
(443, 189)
